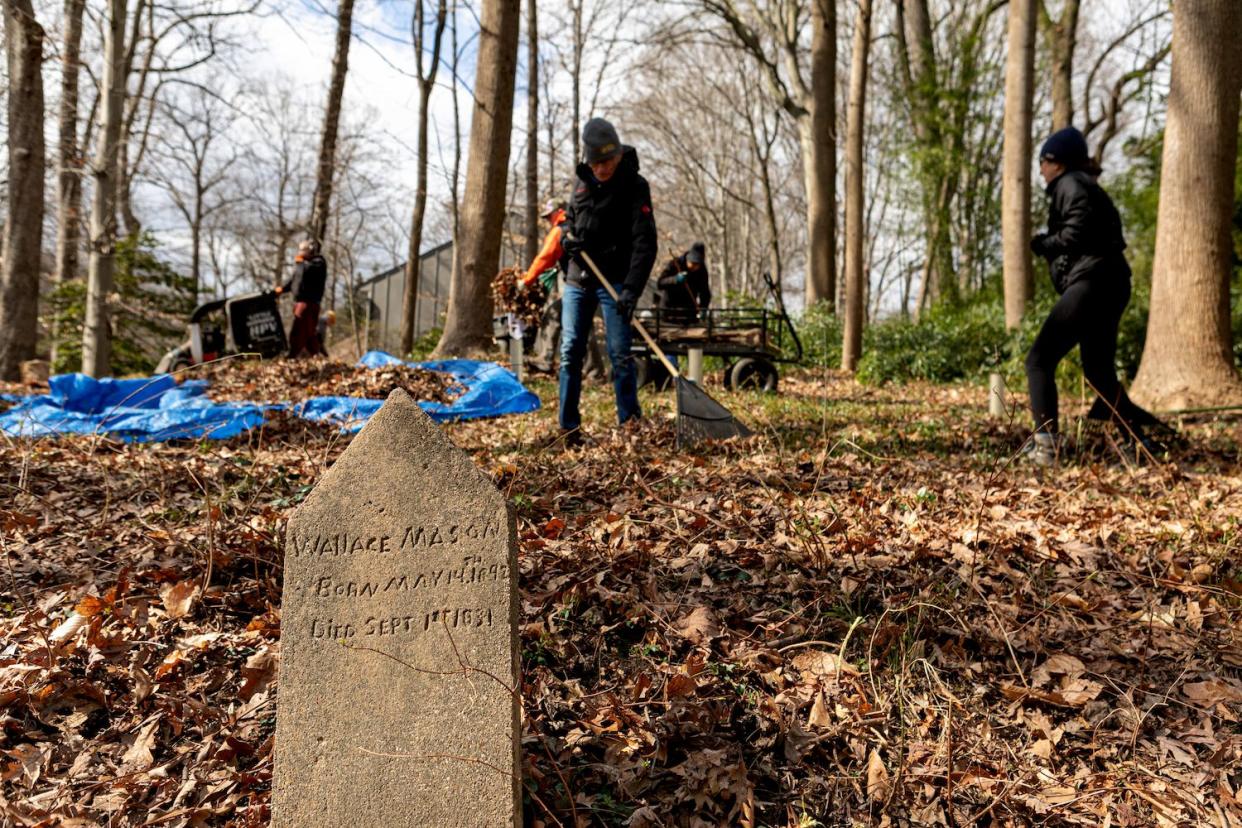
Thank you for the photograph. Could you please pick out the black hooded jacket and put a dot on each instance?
(307, 280)
(693, 294)
(614, 225)
(1084, 239)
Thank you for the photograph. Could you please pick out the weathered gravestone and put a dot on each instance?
(399, 666)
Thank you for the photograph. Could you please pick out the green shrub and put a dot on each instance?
(949, 343)
(148, 312)
(820, 332)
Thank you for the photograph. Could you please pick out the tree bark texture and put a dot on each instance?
(23, 233)
(326, 167)
(1016, 182)
(819, 155)
(532, 130)
(1062, 40)
(468, 324)
(855, 219)
(68, 173)
(426, 85)
(1188, 358)
(68, 176)
(96, 331)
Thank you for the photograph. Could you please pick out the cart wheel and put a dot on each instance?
(726, 376)
(651, 371)
(753, 374)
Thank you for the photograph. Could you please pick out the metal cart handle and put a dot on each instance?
(776, 294)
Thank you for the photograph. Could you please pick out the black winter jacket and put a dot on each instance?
(693, 294)
(615, 226)
(308, 280)
(1084, 239)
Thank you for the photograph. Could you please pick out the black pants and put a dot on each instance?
(1086, 315)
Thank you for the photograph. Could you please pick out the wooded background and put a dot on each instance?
(876, 157)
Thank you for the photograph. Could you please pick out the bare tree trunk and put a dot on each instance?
(820, 156)
(23, 232)
(1188, 359)
(575, 79)
(1016, 184)
(532, 129)
(68, 177)
(331, 122)
(1062, 36)
(96, 332)
(467, 327)
(855, 219)
(426, 85)
(455, 201)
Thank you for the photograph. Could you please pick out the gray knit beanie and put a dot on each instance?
(599, 141)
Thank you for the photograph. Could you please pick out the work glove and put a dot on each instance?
(548, 279)
(680, 278)
(570, 243)
(1037, 244)
(626, 303)
(522, 285)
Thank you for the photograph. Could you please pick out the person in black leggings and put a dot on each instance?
(1083, 247)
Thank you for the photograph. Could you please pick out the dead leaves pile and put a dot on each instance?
(858, 620)
(508, 296)
(301, 379)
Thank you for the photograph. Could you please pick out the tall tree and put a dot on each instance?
(1016, 183)
(532, 129)
(69, 162)
(855, 220)
(326, 167)
(942, 88)
(1061, 35)
(68, 176)
(1188, 358)
(426, 83)
(23, 232)
(468, 324)
(810, 101)
(821, 183)
(96, 331)
(191, 168)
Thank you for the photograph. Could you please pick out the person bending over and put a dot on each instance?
(685, 286)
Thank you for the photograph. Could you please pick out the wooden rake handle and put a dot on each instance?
(651, 343)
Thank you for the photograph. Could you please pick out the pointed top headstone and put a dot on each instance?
(397, 702)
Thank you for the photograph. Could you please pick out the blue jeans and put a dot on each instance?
(577, 315)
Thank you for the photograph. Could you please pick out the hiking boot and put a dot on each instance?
(1044, 449)
(566, 438)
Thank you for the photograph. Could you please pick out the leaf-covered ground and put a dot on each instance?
(866, 615)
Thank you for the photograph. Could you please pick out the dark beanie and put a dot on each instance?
(696, 253)
(1066, 146)
(600, 141)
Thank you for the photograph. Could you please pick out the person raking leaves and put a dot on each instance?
(1084, 248)
(310, 274)
(685, 286)
(610, 218)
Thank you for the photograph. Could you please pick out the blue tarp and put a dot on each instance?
(158, 408)
(134, 410)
